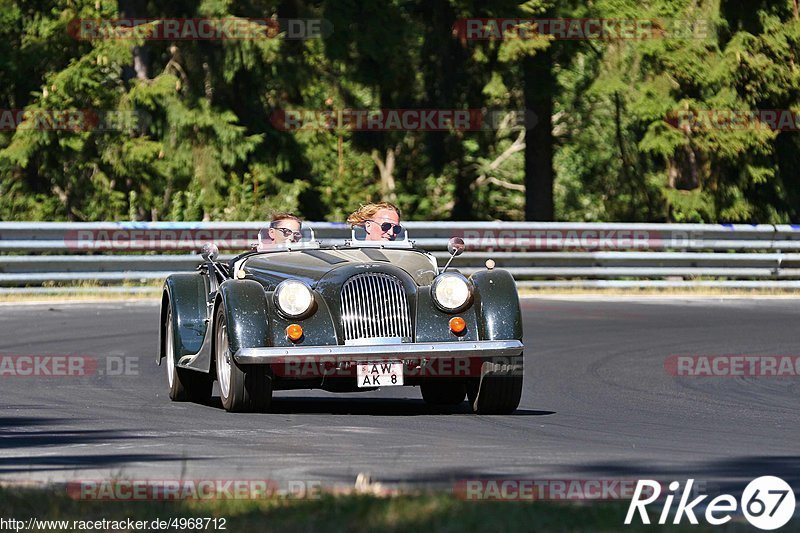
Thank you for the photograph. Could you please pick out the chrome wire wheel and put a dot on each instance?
(185, 384)
(170, 349)
(242, 388)
(224, 363)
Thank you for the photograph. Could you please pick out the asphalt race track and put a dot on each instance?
(598, 403)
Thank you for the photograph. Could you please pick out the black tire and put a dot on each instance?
(496, 392)
(443, 392)
(243, 388)
(184, 385)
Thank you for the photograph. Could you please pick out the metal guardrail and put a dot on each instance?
(537, 254)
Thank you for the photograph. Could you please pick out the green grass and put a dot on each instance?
(417, 512)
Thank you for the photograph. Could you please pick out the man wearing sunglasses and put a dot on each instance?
(284, 228)
(381, 221)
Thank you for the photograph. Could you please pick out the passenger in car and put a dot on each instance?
(284, 228)
(381, 221)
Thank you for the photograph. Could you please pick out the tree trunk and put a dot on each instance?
(539, 92)
(141, 54)
(386, 170)
(447, 86)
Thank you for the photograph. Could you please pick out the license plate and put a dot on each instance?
(380, 374)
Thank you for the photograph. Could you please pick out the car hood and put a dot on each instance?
(311, 266)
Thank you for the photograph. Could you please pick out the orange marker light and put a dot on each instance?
(457, 324)
(294, 332)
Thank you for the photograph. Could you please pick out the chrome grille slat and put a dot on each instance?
(396, 315)
(402, 314)
(348, 311)
(366, 304)
(374, 304)
(345, 314)
(355, 325)
(358, 326)
(375, 323)
(382, 325)
(368, 288)
(405, 316)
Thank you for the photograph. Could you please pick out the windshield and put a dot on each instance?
(399, 234)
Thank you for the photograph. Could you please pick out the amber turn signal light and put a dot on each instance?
(457, 324)
(294, 332)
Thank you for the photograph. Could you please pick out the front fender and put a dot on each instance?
(245, 305)
(187, 294)
(497, 305)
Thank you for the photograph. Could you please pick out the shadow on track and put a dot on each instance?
(368, 407)
(728, 476)
(24, 465)
(34, 437)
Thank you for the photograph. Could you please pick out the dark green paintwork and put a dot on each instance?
(318, 327)
(272, 268)
(253, 320)
(187, 294)
(497, 305)
(245, 307)
(433, 324)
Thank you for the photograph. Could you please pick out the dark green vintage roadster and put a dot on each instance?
(343, 318)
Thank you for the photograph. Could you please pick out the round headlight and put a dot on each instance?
(293, 297)
(451, 291)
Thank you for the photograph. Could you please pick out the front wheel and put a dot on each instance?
(244, 388)
(498, 391)
(184, 385)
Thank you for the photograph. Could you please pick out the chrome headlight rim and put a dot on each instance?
(288, 284)
(442, 306)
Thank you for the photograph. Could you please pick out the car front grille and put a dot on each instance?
(375, 305)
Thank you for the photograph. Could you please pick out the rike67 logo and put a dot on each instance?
(767, 503)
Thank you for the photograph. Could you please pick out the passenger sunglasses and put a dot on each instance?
(386, 226)
(296, 235)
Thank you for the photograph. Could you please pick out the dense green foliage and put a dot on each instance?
(193, 137)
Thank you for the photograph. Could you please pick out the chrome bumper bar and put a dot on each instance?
(430, 350)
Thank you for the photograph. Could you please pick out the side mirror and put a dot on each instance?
(210, 251)
(455, 246)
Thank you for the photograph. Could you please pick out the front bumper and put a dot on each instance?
(399, 351)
